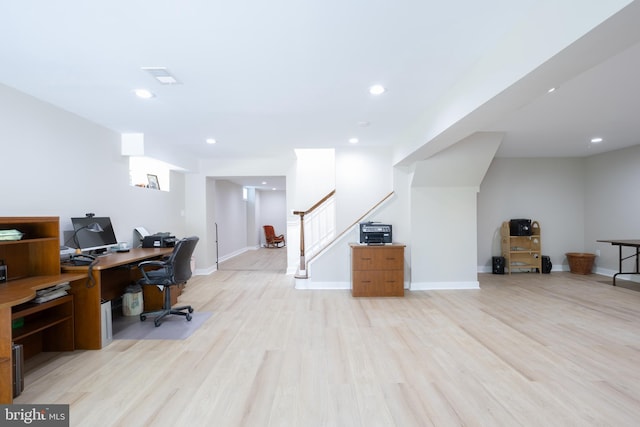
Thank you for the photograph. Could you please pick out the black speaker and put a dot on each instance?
(546, 264)
(498, 264)
(520, 227)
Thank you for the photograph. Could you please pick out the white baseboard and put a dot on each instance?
(204, 271)
(610, 273)
(435, 286)
(311, 285)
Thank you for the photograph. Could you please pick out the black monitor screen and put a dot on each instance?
(89, 240)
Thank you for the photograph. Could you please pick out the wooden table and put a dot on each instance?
(620, 244)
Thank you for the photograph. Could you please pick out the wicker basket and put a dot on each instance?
(580, 262)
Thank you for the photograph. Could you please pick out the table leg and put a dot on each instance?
(619, 264)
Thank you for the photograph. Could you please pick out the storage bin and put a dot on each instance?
(132, 301)
(580, 262)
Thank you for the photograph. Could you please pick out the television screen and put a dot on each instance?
(88, 240)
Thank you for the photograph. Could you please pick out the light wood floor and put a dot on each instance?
(271, 259)
(525, 350)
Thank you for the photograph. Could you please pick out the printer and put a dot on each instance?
(159, 240)
(373, 233)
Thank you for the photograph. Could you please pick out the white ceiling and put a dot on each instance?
(265, 77)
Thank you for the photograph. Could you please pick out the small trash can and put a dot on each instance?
(132, 302)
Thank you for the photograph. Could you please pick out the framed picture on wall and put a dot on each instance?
(153, 182)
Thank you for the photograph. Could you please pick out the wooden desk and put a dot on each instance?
(33, 263)
(107, 279)
(13, 294)
(620, 244)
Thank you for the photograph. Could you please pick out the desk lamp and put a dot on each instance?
(94, 227)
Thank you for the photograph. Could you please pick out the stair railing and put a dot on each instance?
(317, 226)
(323, 240)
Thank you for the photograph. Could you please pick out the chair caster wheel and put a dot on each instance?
(189, 318)
(190, 310)
(143, 318)
(156, 322)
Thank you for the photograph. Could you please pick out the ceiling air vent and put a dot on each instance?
(162, 75)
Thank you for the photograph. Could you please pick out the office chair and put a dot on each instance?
(168, 273)
(272, 240)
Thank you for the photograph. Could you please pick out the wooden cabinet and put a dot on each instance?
(377, 271)
(33, 263)
(521, 252)
(37, 253)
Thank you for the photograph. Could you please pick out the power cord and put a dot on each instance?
(90, 280)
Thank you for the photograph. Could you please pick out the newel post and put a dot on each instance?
(302, 260)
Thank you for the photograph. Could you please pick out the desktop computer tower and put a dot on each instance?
(106, 323)
(498, 264)
(17, 356)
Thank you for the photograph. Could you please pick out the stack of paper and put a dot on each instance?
(10, 235)
(47, 294)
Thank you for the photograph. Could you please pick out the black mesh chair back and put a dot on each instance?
(180, 260)
(172, 271)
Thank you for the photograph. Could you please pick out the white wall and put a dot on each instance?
(576, 201)
(230, 214)
(550, 191)
(363, 178)
(272, 211)
(315, 177)
(443, 243)
(58, 164)
(612, 206)
(254, 231)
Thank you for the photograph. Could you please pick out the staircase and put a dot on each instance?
(318, 230)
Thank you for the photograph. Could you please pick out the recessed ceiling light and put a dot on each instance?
(377, 90)
(211, 141)
(553, 89)
(353, 140)
(596, 140)
(274, 188)
(264, 182)
(143, 93)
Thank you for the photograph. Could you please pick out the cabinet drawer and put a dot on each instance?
(378, 283)
(378, 258)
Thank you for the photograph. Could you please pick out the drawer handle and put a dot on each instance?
(366, 281)
(391, 259)
(366, 259)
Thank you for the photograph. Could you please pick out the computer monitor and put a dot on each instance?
(91, 241)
